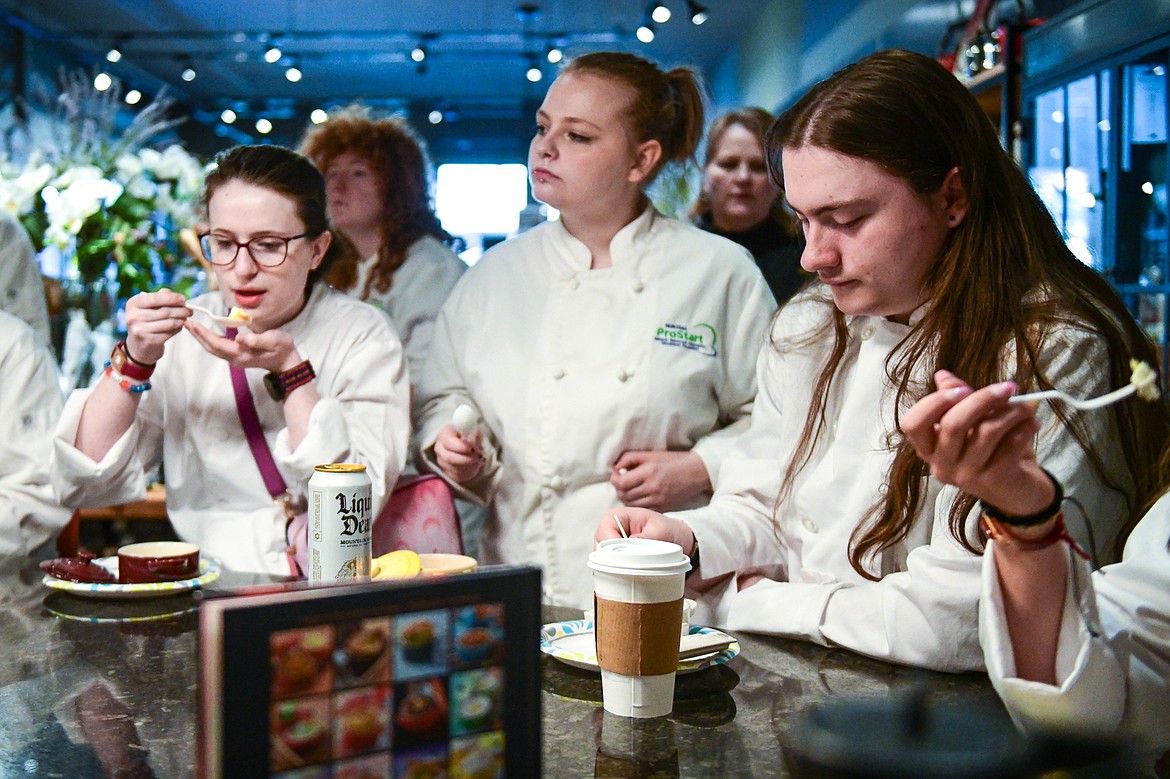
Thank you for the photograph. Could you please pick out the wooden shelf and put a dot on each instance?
(154, 506)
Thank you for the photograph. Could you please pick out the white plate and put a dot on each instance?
(208, 572)
(572, 643)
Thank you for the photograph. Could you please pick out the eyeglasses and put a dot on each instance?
(266, 250)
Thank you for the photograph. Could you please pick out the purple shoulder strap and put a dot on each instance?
(250, 421)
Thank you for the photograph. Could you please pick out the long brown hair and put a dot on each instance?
(284, 172)
(756, 121)
(399, 161)
(1004, 274)
(666, 106)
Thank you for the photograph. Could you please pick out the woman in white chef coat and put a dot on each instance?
(933, 250)
(325, 373)
(608, 354)
(376, 175)
(1069, 652)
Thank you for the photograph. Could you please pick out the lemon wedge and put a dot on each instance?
(400, 564)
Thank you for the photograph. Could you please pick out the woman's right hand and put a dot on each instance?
(152, 319)
(644, 523)
(460, 458)
(977, 441)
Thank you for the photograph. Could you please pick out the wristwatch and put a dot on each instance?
(126, 365)
(280, 384)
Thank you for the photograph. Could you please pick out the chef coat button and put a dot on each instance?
(623, 375)
(809, 525)
(637, 286)
(558, 374)
(867, 332)
(574, 283)
(556, 483)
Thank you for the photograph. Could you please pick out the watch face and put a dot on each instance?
(274, 386)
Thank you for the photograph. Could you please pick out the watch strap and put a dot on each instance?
(126, 365)
(281, 384)
(1039, 518)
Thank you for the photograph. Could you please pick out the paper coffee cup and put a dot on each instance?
(637, 603)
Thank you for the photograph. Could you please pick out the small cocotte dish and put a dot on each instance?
(140, 570)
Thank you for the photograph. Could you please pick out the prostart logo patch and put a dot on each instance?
(700, 338)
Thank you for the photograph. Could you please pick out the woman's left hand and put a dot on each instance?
(272, 350)
(977, 441)
(659, 480)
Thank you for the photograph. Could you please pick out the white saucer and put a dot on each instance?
(572, 643)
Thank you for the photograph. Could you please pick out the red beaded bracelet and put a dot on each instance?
(1000, 534)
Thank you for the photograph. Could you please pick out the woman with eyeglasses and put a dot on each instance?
(323, 372)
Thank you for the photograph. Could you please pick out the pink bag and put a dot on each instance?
(420, 516)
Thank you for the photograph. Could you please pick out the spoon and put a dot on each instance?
(240, 320)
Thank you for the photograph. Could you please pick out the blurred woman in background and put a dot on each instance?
(740, 200)
(376, 178)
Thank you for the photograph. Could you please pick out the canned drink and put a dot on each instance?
(339, 523)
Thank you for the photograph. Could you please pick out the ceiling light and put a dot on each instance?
(133, 97)
(645, 33)
(102, 82)
(188, 73)
(113, 55)
(418, 53)
(434, 117)
(263, 126)
(228, 116)
(534, 74)
(660, 13)
(555, 54)
(273, 55)
(698, 12)
(318, 116)
(293, 73)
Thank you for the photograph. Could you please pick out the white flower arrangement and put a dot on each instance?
(100, 195)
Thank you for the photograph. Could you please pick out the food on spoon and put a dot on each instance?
(465, 420)
(239, 314)
(1144, 379)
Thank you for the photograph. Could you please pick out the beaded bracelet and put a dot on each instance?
(125, 383)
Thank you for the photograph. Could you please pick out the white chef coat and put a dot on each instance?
(30, 403)
(421, 285)
(570, 367)
(21, 292)
(189, 421)
(923, 611)
(1113, 655)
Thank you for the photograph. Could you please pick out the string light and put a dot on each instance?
(698, 12)
(555, 54)
(434, 117)
(273, 55)
(660, 13)
(228, 116)
(293, 73)
(263, 126)
(318, 116)
(113, 55)
(418, 53)
(102, 82)
(188, 73)
(645, 33)
(534, 74)
(133, 97)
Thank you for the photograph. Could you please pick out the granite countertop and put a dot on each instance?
(123, 675)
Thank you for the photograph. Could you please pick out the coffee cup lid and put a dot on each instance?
(639, 557)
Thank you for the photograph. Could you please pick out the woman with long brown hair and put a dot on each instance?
(740, 201)
(376, 178)
(933, 251)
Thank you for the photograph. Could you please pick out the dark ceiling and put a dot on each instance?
(477, 55)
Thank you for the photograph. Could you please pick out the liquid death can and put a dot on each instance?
(339, 523)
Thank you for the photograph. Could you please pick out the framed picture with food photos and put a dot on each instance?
(430, 677)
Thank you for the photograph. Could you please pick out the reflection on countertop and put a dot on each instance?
(87, 684)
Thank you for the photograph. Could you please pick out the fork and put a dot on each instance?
(1143, 381)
